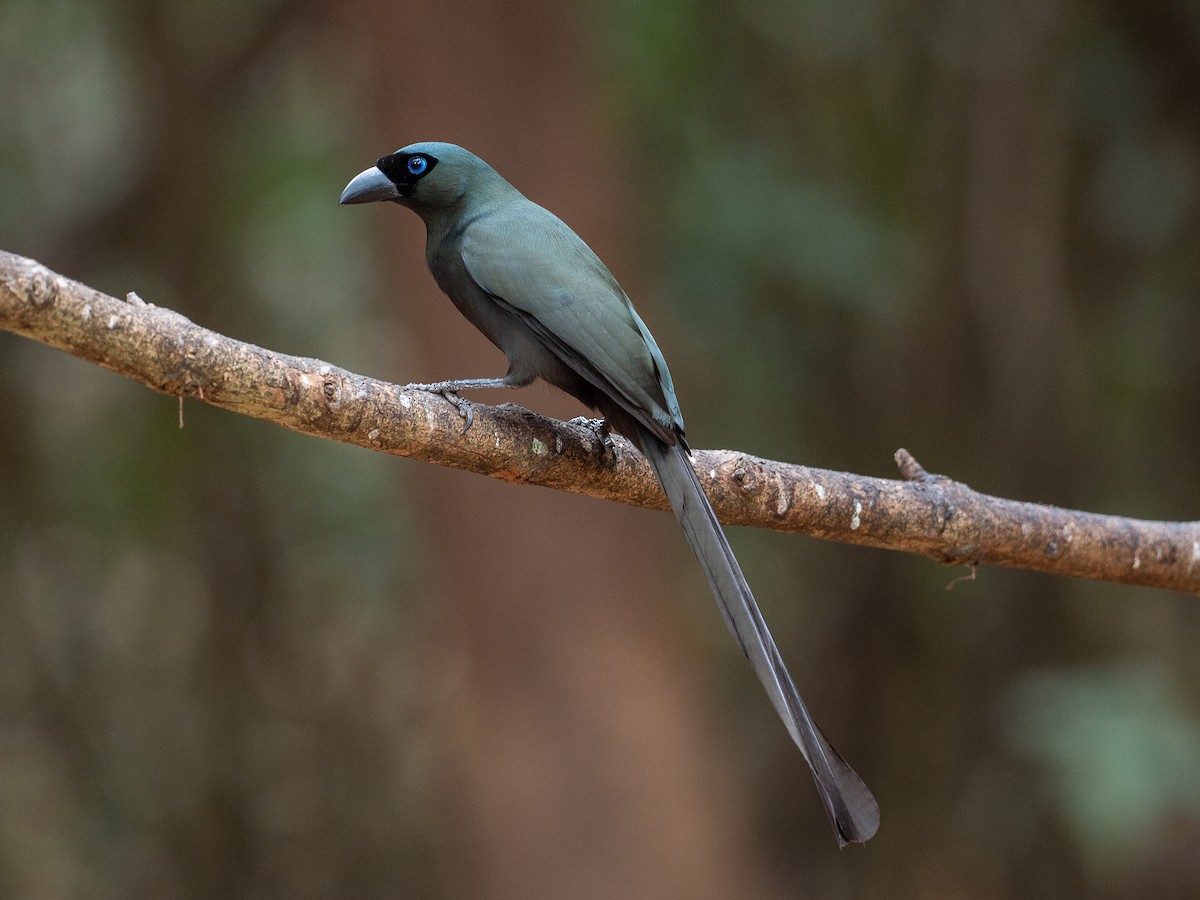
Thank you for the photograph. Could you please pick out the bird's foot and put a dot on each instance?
(599, 428)
(450, 389)
(464, 409)
(447, 390)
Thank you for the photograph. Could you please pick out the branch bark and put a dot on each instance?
(926, 514)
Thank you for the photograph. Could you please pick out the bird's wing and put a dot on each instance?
(535, 265)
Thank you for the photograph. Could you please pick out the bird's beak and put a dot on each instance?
(368, 186)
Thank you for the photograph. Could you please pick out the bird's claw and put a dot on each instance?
(464, 409)
(599, 428)
(464, 406)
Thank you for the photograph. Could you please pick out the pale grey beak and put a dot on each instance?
(369, 186)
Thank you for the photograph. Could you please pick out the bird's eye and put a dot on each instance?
(417, 164)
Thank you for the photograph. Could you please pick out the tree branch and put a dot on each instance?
(926, 514)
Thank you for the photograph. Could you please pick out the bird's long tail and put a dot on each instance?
(849, 804)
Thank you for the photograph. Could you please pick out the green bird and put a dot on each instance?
(539, 293)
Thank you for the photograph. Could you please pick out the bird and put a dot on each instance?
(521, 276)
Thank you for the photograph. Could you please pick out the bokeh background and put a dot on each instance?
(239, 662)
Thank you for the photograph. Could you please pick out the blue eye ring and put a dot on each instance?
(417, 165)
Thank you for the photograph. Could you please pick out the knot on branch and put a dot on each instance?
(331, 389)
(746, 474)
(42, 289)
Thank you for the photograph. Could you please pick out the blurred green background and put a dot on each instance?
(239, 662)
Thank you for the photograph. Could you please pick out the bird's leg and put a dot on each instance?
(461, 384)
(450, 389)
(600, 429)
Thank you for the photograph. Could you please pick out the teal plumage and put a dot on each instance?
(539, 293)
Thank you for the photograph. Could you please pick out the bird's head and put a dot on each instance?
(428, 178)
